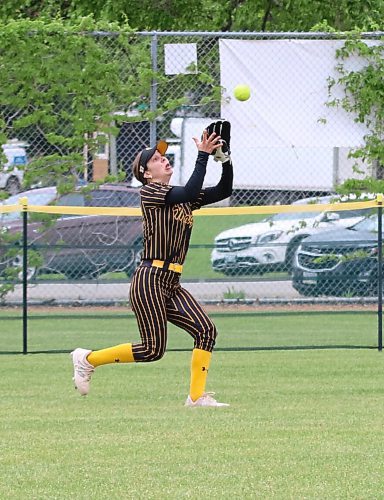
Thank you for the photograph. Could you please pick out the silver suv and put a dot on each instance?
(271, 244)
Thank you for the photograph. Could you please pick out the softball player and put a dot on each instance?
(155, 293)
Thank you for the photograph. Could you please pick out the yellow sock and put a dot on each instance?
(117, 354)
(199, 371)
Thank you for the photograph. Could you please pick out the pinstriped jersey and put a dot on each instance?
(166, 228)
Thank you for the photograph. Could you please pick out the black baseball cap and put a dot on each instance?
(147, 154)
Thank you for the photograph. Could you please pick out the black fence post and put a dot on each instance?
(153, 96)
(24, 203)
(379, 200)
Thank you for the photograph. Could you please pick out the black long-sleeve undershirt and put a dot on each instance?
(193, 188)
(224, 187)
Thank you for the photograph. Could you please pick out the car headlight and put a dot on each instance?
(268, 237)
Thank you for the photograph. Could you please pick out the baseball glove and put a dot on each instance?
(223, 129)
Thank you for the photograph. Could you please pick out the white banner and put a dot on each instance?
(287, 108)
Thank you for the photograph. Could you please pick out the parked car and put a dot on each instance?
(272, 243)
(12, 170)
(339, 262)
(78, 246)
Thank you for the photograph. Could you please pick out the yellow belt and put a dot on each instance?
(177, 268)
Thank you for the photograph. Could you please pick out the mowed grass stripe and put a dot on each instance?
(241, 332)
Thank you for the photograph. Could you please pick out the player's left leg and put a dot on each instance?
(85, 361)
(148, 303)
(184, 311)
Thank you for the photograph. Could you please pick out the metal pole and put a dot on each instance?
(24, 203)
(379, 200)
(112, 152)
(153, 97)
(336, 167)
(85, 158)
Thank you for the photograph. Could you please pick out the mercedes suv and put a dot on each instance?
(339, 262)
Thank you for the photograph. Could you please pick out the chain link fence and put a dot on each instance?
(287, 147)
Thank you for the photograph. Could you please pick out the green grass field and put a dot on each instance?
(303, 422)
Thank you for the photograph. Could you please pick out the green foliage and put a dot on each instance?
(232, 294)
(358, 186)
(344, 15)
(210, 15)
(363, 97)
(333, 259)
(65, 82)
(61, 80)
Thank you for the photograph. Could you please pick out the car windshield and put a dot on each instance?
(291, 216)
(343, 214)
(368, 224)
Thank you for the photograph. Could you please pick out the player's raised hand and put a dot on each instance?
(208, 143)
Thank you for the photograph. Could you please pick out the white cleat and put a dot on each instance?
(206, 399)
(82, 370)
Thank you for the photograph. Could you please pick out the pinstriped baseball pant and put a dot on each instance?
(157, 297)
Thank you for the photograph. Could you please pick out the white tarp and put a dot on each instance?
(288, 80)
(179, 58)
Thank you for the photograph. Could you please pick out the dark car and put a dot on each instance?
(339, 262)
(75, 245)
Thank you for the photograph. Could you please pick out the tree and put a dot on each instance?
(210, 15)
(65, 85)
(304, 15)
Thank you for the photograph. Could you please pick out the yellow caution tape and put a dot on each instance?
(85, 210)
(7, 209)
(279, 209)
(247, 210)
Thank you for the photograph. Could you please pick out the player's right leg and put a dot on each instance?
(185, 312)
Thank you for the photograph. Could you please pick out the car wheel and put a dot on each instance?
(231, 272)
(13, 186)
(306, 290)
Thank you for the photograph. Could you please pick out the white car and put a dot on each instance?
(272, 243)
(12, 171)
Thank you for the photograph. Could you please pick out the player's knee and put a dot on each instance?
(156, 356)
(154, 353)
(208, 337)
(210, 331)
(213, 336)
